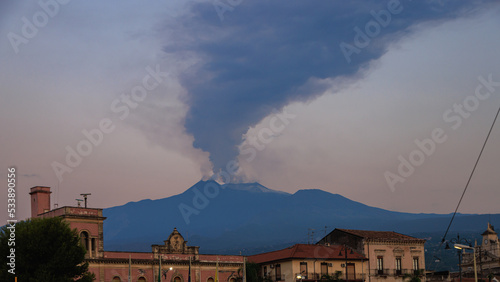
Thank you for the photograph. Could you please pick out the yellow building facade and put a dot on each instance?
(390, 255)
(306, 262)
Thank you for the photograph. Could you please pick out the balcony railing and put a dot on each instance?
(318, 276)
(402, 272)
(394, 272)
(380, 272)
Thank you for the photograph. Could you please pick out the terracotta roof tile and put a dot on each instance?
(381, 235)
(303, 251)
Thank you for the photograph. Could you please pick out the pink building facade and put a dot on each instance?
(177, 258)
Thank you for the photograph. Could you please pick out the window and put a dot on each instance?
(399, 270)
(416, 266)
(351, 271)
(84, 236)
(210, 279)
(232, 280)
(277, 272)
(94, 246)
(141, 279)
(380, 265)
(177, 279)
(303, 268)
(324, 268)
(116, 279)
(265, 271)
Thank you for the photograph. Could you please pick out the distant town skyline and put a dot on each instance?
(386, 103)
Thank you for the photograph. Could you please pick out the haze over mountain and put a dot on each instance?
(251, 218)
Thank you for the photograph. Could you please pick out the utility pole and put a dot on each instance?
(345, 266)
(244, 269)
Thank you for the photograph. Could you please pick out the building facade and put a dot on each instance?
(487, 255)
(390, 255)
(305, 262)
(178, 260)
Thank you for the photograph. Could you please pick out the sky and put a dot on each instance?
(385, 102)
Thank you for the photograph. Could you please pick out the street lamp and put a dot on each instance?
(299, 277)
(165, 272)
(340, 254)
(458, 240)
(460, 247)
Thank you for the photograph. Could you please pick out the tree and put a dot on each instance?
(253, 273)
(46, 249)
(332, 278)
(414, 276)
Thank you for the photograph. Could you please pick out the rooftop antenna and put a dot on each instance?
(85, 198)
(79, 202)
(326, 228)
(310, 235)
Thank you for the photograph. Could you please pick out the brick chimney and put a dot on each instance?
(40, 200)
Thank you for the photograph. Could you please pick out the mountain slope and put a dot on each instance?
(251, 218)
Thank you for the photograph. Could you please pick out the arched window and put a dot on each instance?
(84, 236)
(210, 279)
(232, 280)
(141, 279)
(177, 279)
(116, 279)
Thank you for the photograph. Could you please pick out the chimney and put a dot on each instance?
(40, 200)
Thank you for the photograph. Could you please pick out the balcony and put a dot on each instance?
(381, 272)
(395, 272)
(317, 276)
(402, 272)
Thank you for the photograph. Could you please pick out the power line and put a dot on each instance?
(470, 177)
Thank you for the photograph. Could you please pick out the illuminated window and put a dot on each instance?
(116, 279)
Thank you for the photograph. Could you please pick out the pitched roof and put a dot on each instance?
(381, 235)
(306, 251)
(489, 230)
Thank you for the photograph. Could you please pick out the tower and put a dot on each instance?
(88, 222)
(490, 238)
(40, 200)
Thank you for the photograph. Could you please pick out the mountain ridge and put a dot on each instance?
(252, 218)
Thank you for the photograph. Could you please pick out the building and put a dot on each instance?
(304, 262)
(177, 258)
(487, 256)
(390, 255)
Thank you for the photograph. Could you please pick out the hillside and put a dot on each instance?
(250, 218)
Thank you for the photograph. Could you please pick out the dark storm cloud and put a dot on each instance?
(264, 52)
